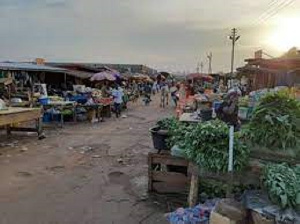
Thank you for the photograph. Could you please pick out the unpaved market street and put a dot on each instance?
(81, 174)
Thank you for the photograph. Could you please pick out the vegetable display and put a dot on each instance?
(168, 124)
(275, 123)
(206, 144)
(244, 101)
(283, 185)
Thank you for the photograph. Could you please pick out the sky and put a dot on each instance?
(170, 35)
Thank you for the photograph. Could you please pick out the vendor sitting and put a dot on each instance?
(228, 111)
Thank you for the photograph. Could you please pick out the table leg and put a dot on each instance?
(74, 114)
(61, 119)
(8, 130)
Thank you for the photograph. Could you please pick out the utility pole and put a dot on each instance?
(209, 56)
(197, 69)
(201, 66)
(234, 38)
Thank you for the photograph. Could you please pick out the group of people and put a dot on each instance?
(177, 93)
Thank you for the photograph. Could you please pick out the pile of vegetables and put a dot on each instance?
(275, 123)
(206, 144)
(283, 185)
(244, 101)
(168, 124)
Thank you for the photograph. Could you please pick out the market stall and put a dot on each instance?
(260, 162)
(57, 110)
(13, 116)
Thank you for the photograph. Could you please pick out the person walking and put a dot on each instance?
(117, 94)
(164, 98)
(147, 94)
(174, 92)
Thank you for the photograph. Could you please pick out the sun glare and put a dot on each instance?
(285, 35)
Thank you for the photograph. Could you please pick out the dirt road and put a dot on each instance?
(81, 174)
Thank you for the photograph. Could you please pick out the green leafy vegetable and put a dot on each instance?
(275, 123)
(283, 185)
(167, 123)
(207, 145)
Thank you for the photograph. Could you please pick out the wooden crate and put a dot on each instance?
(167, 174)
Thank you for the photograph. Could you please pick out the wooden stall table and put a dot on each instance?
(60, 106)
(16, 115)
(196, 174)
(97, 108)
(189, 117)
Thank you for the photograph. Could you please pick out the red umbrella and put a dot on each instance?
(103, 76)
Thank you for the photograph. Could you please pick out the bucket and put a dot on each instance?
(206, 114)
(159, 138)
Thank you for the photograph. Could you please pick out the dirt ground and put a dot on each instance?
(81, 174)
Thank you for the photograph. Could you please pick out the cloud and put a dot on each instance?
(169, 33)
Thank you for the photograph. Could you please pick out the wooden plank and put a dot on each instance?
(15, 110)
(150, 186)
(245, 177)
(163, 187)
(274, 156)
(20, 117)
(24, 129)
(169, 177)
(168, 160)
(193, 195)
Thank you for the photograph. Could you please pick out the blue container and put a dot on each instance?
(47, 118)
(44, 101)
(79, 99)
(217, 105)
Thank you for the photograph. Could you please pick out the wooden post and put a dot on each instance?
(39, 127)
(150, 186)
(8, 130)
(193, 195)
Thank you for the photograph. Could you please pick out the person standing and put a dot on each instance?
(117, 94)
(105, 90)
(228, 111)
(174, 92)
(164, 99)
(147, 94)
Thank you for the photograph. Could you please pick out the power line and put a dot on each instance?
(275, 6)
(283, 6)
(274, 10)
(272, 6)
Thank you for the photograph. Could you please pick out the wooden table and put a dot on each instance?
(98, 109)
(188, 117)
(16, 115)
(60, 106)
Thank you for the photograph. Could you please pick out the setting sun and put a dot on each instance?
(285, 35)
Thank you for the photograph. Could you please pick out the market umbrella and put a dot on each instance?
(103, 76)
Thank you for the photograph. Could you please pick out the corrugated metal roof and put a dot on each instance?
(15, 66)
(80, 74)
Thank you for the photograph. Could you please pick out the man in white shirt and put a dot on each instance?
(117, 94)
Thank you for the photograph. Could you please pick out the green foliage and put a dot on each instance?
(244, 101)
(283, 185)
(168, 123)
(209, 189)
(207, 145)
(275, 123)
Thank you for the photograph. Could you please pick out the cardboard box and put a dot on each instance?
(216, 218)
